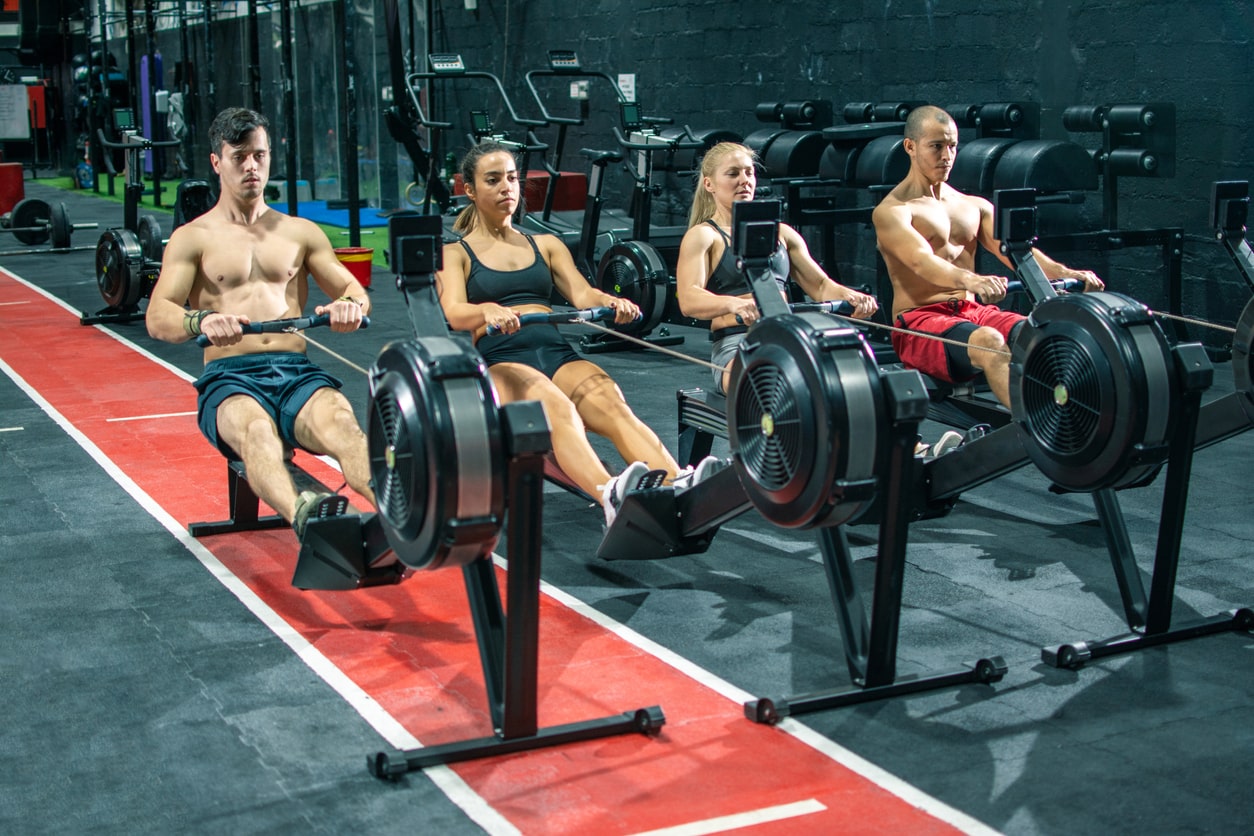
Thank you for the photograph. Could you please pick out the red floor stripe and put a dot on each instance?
(412, 647)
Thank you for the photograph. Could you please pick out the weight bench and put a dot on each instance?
(336, 553)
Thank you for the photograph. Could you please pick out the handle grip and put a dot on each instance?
(1060, 285)
(557, 317)
(834, 306)
(142, 143)
(839, 307)
(284, 326)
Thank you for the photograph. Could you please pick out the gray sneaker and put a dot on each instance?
(315, 506)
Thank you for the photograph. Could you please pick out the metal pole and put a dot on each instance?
(254, 56)
(210, 77)
(154, 81)
(185, 90)
(289, 104)
(348, 86)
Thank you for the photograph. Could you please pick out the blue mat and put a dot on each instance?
(317, 211)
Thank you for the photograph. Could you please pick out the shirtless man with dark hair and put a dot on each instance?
(928, 232)
(244, 262)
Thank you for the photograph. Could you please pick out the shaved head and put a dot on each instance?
(921, 116)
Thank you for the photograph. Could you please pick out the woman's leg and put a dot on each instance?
(575, 456)
(604, 410)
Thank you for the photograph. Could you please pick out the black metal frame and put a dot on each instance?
(1151, 615)
(133, 144)
(1228, 416)
(508, 648)
(871, 644)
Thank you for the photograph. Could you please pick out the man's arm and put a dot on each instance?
(349, 300)
(1058, 270)
(167, 317)
(816, 283)
(1053, 269)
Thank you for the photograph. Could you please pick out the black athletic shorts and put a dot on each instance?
(282, 382)
(542, 347)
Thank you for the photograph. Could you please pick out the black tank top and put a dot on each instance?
(727, 280)
(532, 285)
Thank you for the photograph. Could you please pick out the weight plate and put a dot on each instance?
(62, 230)
(635, 270)
(436, 454)
(150, 243)
(30, 221)
(119, 262)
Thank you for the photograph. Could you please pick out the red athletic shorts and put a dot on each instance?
(955, 319)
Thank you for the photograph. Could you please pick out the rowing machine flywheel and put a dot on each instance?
(635, 270)
(1092, 384)
(119, 266)
(436, 457)
(1243, 358)
(804, 407)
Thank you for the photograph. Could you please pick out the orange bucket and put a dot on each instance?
(358, 260)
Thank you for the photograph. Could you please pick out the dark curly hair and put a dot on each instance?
(232, 125)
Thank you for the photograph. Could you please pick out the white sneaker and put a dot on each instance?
(613, 491)
(690, 477)
(950, 440)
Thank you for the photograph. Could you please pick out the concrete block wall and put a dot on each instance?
(708, 63)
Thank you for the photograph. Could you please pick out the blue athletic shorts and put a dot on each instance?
(282, 382)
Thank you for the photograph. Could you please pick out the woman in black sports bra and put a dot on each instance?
(493, 274)
(708, 285)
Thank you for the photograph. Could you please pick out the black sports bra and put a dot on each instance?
(728, 280)
(532, 285)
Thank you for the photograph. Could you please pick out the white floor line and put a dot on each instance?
(380, 720)
(11, 429)
(7, 304)
(855, 763)
(150, 417)
(746, 819)
(368, 707)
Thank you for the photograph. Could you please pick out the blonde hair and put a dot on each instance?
(703, 206)
(469, 217)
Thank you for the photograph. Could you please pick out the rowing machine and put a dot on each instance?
(442, 504)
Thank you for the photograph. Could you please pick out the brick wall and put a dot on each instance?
(708, 63)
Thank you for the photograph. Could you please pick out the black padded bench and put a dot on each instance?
(245, 506)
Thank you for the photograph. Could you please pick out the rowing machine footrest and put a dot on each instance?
(647, 528)
(333, 556)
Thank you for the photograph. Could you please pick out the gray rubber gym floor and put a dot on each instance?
(141, 696)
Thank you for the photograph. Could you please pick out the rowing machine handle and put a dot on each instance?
(838, 307)
(276, 326)
(555, 317)
(1060, 285)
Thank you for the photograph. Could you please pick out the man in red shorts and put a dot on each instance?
(928, 232)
